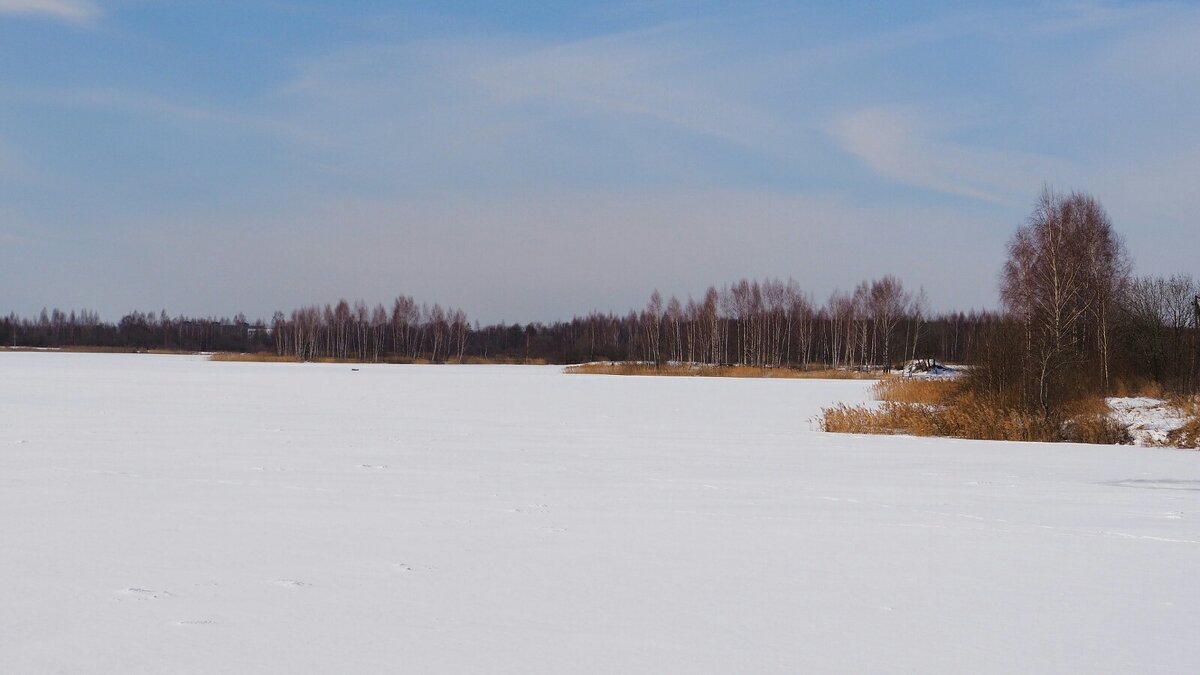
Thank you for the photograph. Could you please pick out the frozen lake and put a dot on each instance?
(169, 514)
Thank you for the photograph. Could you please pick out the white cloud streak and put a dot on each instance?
(653, 74)
(151, 105)
(903, 146)
(73, 11)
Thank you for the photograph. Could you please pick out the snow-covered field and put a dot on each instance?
(164, 514)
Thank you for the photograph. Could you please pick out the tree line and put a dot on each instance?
(410, 331)
(1073, 319)
(770, 323)
(135, 331)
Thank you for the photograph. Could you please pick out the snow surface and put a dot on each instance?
(169, 514)
(1148, 420)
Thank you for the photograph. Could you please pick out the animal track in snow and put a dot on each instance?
(407, 568)
(372, 466)
(1147, 537)
(1158, 484)
(289, 583)
(194, 622)
(142, 594)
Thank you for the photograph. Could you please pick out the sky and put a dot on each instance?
(538, 160)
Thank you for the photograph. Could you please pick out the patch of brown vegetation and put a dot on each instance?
(268, 357)
(913, 390)
(1187, 436)
(696, 370)
(1190, 405)
(1144, 387)
(258, 357)
(946, 408)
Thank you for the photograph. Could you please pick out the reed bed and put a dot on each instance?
(697, 370)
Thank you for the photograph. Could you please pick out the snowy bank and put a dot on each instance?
(1149, 421)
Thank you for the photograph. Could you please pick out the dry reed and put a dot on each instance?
(698, 370)
(944, 408)
(269, 357)
(1187, 436)
(256, 357)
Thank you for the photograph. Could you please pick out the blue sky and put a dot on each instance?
(529, 161)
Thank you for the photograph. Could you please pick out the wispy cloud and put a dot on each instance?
(75, 11)
(671, 104)
(660, 74)
(491, 111)
(1089, 16)
(904, 146)
(155, 106)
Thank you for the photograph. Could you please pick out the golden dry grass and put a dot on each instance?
(692, 370)
(1148, 388)
(258, 357)
(1187, 436)
(268, 357)
(890, 418)
(941, 408)
(1190, 405)
(911, 390)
